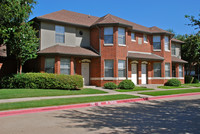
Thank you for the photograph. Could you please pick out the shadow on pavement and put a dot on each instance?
(177, 117)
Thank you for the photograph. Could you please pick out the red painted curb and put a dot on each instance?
(52, 108)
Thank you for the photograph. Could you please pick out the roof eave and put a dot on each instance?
(58, 53)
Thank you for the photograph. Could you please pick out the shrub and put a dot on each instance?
(126, 84)
(189, 79)
(42, 81)
(195, 80)
(173, 82)
(110, 85)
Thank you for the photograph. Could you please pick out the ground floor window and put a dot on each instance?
(180, 71)
(167, 69)
(121, 68)
(65, 66)
(173, 70)
(108, 68)
(49, 65)
(157, 69)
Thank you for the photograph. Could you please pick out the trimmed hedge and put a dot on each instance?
(173, 82)
(110, 85)
(42, 81)
(126, 84)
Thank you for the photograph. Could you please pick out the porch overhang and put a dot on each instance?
(68, 51)
(144, 56)
(178, 60)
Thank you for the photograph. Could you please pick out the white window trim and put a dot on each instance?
(122, 45)
(108, 44)
(167, 50)
(60, 34)
(105, 67)
(124, 35)
(133, 40)
(157, 50)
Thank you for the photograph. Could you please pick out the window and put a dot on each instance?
(166, 43)
(108, 35)
(167, 69)
(121, 68)
(157, 69)
(49, 65)
(173, 70)
(108, 68)
(121, 36)
(156, 43)
(139, 40)
(180, 71)
(65, 66)
(145, 39)
(133, 37)
(60, 34)
(173, 49)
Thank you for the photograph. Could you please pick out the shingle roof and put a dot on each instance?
(3, 51)
(145, 56)
(178, 41)
(178, 60)
(70, 17)
(67, 50)
(88, 21)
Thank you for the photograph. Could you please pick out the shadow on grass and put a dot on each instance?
(156, 117)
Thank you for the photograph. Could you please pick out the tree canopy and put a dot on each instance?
(16, 32)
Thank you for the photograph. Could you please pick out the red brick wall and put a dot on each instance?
(94, 38)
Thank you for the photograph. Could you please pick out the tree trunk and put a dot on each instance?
(17, 66)
(20, 68)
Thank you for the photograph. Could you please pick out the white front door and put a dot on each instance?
(134, 73)
(144, 74)
(85, 73)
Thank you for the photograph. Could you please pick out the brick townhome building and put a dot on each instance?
(107, 49)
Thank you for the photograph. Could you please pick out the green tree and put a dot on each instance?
(194, 21)
(191, 51)
(16, 32)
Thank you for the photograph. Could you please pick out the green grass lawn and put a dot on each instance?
(182, 86)
(135, 89)
(62, 101)
(170, 92)
(23, 93)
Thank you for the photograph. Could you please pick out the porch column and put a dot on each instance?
(149, 73)
(72, 66)
(57, 64)
(139, 72)
(42, 64)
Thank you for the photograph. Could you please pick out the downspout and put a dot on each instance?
(99, 40)
(127, 67)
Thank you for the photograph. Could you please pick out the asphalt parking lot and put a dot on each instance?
(171, 116)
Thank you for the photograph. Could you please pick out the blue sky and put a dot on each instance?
(161, 13)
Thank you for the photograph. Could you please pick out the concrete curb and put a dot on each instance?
(63, 107)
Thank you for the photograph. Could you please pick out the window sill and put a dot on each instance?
(167, 50)
(133, 40)
(123, 45)
(157, 50)
(145, 42)
(108, 44)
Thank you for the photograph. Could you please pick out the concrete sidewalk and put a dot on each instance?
(110, 92)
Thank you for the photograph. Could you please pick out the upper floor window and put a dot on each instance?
(166, 43)
(145, 38)
(139, 40)
(60, 34)
(108, 35)
(108, 68)
(156, 43)
(157, 69)
(133, 38)
(167, 69)
(121, 68)
(180, 71)
(173, 49)
(121, 36)
(65, 66)
(49, 65)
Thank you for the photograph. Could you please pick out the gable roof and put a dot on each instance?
(75, 18)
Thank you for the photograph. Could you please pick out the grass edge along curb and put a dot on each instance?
(62, 101)
(171, 92)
